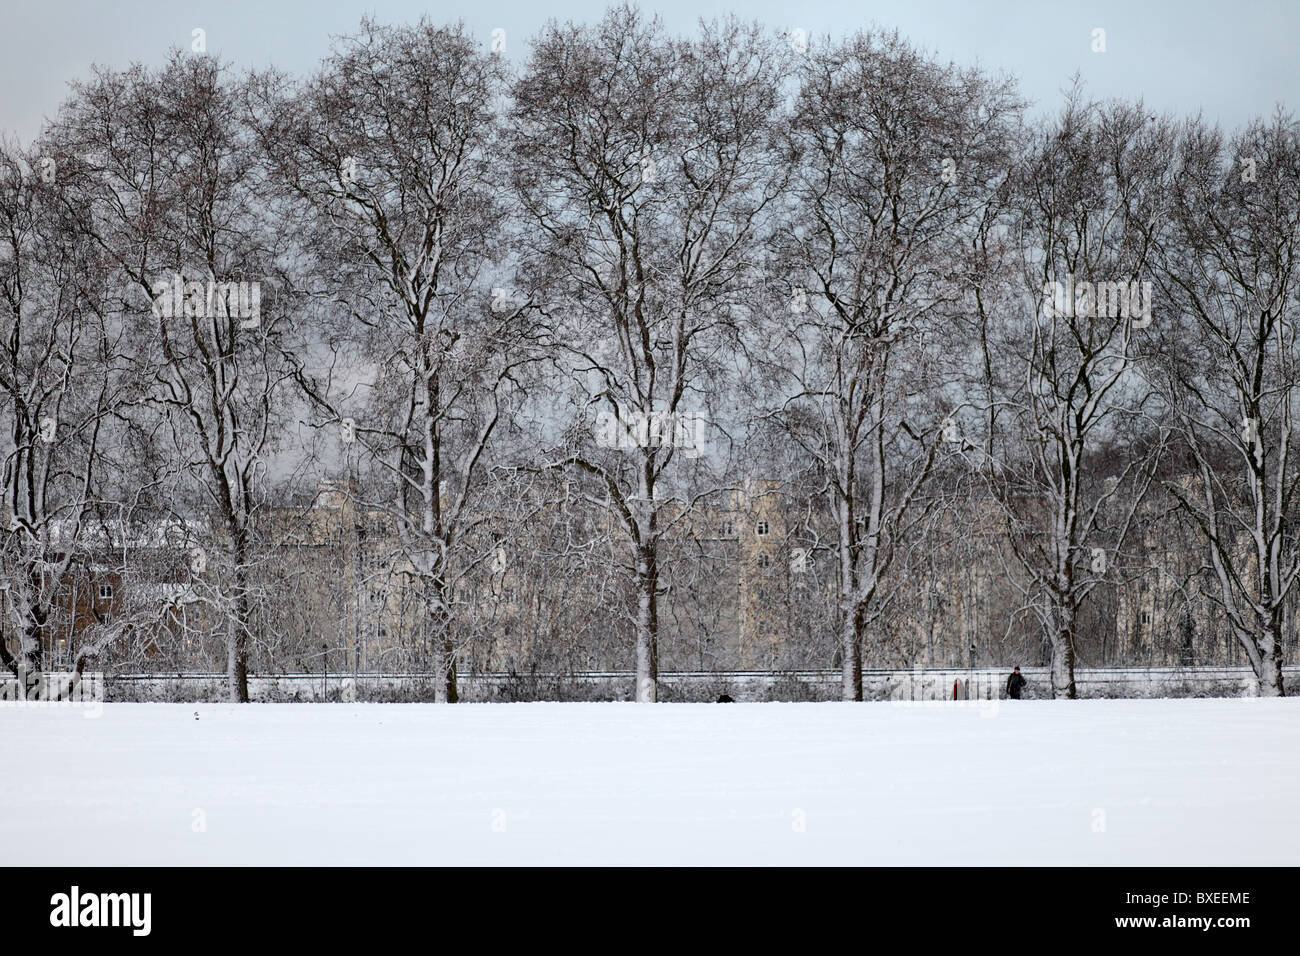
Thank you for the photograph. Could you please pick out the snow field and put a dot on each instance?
(1202, 781)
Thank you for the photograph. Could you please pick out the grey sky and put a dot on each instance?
(1229, 59)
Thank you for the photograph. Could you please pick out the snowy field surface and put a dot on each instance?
(1210, 782)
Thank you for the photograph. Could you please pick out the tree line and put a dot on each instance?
(553, 314)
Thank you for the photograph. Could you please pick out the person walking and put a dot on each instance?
(1015, 684)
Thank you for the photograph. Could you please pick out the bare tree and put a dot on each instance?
(717, 351)
(61, 383)
(896, 155)
(168, 176)
(644, 165)
(1062, 400)
(1229, 369)
(389, 151)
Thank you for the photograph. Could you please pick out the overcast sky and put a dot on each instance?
(1229, 60)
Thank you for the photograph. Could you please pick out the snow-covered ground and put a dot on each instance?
(1092, 782)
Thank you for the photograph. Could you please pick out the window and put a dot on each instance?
(106, 592)
(762, 529)
(764, 560)
(728, 529)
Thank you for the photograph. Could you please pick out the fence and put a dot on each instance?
(682, 686)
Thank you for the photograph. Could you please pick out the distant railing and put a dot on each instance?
(878, 684)
(1090, 672)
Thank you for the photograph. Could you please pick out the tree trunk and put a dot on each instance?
(647, 627)
(850, 611)
(453, 694)
(237, 647)
(440, 644)
(444, 666)
(438, 649)
(31, 655)
(237, 663)
(1269, 673)
(238, 624)
(851, 656)
(1063, 663)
